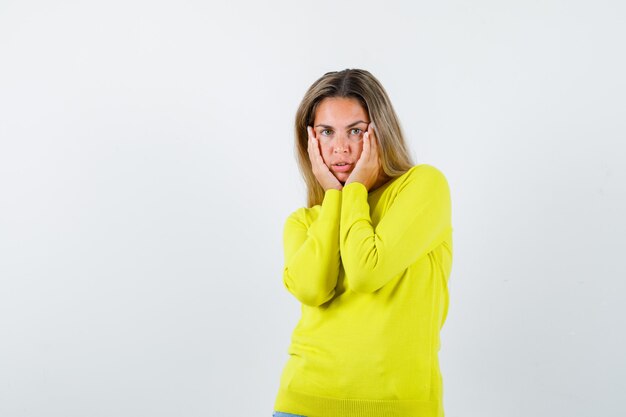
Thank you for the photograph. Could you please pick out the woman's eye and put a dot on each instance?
(356, 131)
(326, 132)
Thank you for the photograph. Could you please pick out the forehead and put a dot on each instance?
(340, 111)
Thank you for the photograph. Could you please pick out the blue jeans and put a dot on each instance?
(280, 414)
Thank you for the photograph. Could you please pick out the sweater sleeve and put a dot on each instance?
(416, 222)
(312, 252)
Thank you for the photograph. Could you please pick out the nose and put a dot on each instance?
(341, 143)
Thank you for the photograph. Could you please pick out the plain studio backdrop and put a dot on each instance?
(147, 167)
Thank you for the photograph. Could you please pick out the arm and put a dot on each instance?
(417, 222)
(312, 253)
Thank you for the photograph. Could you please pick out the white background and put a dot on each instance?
(147, 167)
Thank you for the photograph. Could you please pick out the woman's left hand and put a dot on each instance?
(367, 168)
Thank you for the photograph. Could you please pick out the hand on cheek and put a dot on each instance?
(367, 168)
(323, 175)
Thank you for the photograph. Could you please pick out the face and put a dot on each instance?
(339, 126)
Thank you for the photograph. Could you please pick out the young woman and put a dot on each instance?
(369, 260)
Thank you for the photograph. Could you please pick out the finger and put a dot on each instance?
(374, 142)
(373, 137)
(310, 137)
(310, 146)
(314, 144)
(373, 128)
(314, 147)
(366, 144)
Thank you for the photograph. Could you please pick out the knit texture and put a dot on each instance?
(371, 273)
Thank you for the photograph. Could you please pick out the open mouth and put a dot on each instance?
(342, 168)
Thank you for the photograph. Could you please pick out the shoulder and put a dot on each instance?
(425, 174)
(425, 170)
(423, 182)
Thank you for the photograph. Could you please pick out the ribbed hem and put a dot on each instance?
(315, 406)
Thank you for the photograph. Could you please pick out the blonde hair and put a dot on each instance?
(361, 85)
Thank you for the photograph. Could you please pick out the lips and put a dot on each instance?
(342, 168)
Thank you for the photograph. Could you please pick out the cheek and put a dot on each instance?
(326, 152)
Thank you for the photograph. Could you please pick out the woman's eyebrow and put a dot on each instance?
(347, 127)
(356, 123)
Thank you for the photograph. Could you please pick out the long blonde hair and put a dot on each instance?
(359, 84)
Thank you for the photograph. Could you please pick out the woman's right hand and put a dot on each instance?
(326, 178)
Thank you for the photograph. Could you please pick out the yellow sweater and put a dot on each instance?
(371, 273)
